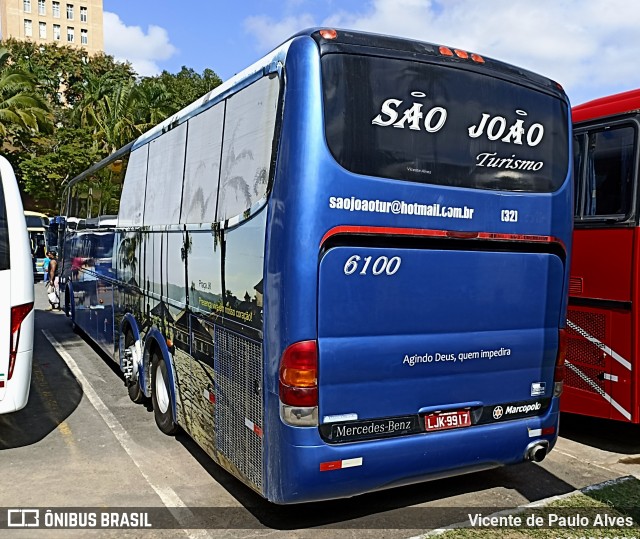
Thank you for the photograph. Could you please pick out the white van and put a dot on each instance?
(16, 299)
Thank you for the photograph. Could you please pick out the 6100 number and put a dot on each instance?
(382, 264)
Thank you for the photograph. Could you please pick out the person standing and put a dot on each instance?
(45, 267)
(53, 290)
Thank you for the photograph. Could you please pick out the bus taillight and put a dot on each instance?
(18, 314)
(558, 377)
(298, 385)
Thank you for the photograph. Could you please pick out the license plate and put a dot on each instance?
(447, 420)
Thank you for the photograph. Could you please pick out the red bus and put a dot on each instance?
(603, 365)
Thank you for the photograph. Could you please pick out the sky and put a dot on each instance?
(591, 47)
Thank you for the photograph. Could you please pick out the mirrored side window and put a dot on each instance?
(202, 167)
(133, 190)
(165, 174)
(247, 151)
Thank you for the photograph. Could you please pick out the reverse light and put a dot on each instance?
(18, 314)
(298, 384)
(558, 375)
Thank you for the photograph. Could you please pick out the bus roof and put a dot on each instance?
(273, 61)
(607, 106)
(42, 224)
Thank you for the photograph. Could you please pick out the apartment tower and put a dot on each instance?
(67, 22)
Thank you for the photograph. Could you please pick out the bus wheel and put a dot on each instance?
(161, 396)
(133, 386)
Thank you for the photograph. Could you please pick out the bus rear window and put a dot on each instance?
(442, 125)
(33, 221)
(4, 234)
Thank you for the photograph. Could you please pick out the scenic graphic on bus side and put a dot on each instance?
(340, 270)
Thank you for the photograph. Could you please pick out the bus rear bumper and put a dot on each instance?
(321, 472)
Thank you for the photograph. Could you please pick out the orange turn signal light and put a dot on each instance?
(329, 33)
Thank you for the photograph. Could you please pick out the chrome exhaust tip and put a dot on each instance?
(537, 451)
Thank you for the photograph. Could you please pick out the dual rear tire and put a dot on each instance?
(161, 396)
(133, 387)
(160, 390)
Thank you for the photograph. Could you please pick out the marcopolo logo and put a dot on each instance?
(523, 408)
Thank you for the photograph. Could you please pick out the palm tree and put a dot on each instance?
(20, 107)
(119, 114)
(96, 87)
(154, 104)
(113, 118)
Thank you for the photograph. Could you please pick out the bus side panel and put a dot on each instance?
(599, 377)
(606, 275)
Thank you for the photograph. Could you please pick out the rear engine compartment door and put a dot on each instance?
(403, 332)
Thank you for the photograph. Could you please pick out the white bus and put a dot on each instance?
(37, 227)
(16, 301)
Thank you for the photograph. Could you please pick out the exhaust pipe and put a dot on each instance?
(537, 451)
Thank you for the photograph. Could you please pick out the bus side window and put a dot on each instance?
(202, 169)
(133, 190)
(609, 170)
(247, 147)
(578, 162)
(166, 167)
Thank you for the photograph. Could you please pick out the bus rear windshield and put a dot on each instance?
(4, 234)
(442, 125)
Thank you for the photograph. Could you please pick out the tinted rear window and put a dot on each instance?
(33, 221)
(442, 125)
(4, 233)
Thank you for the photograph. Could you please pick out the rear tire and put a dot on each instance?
(133, 387)
(161, 396)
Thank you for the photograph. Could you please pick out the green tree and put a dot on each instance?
(185, 86)
(62, 71)
(56, 159)
(114, 119)
(21, 109)
(154, 104)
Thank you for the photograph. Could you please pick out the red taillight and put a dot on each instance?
(18, 314)
(562, 355)
(299, 374)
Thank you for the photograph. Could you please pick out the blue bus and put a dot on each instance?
(345, 269)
